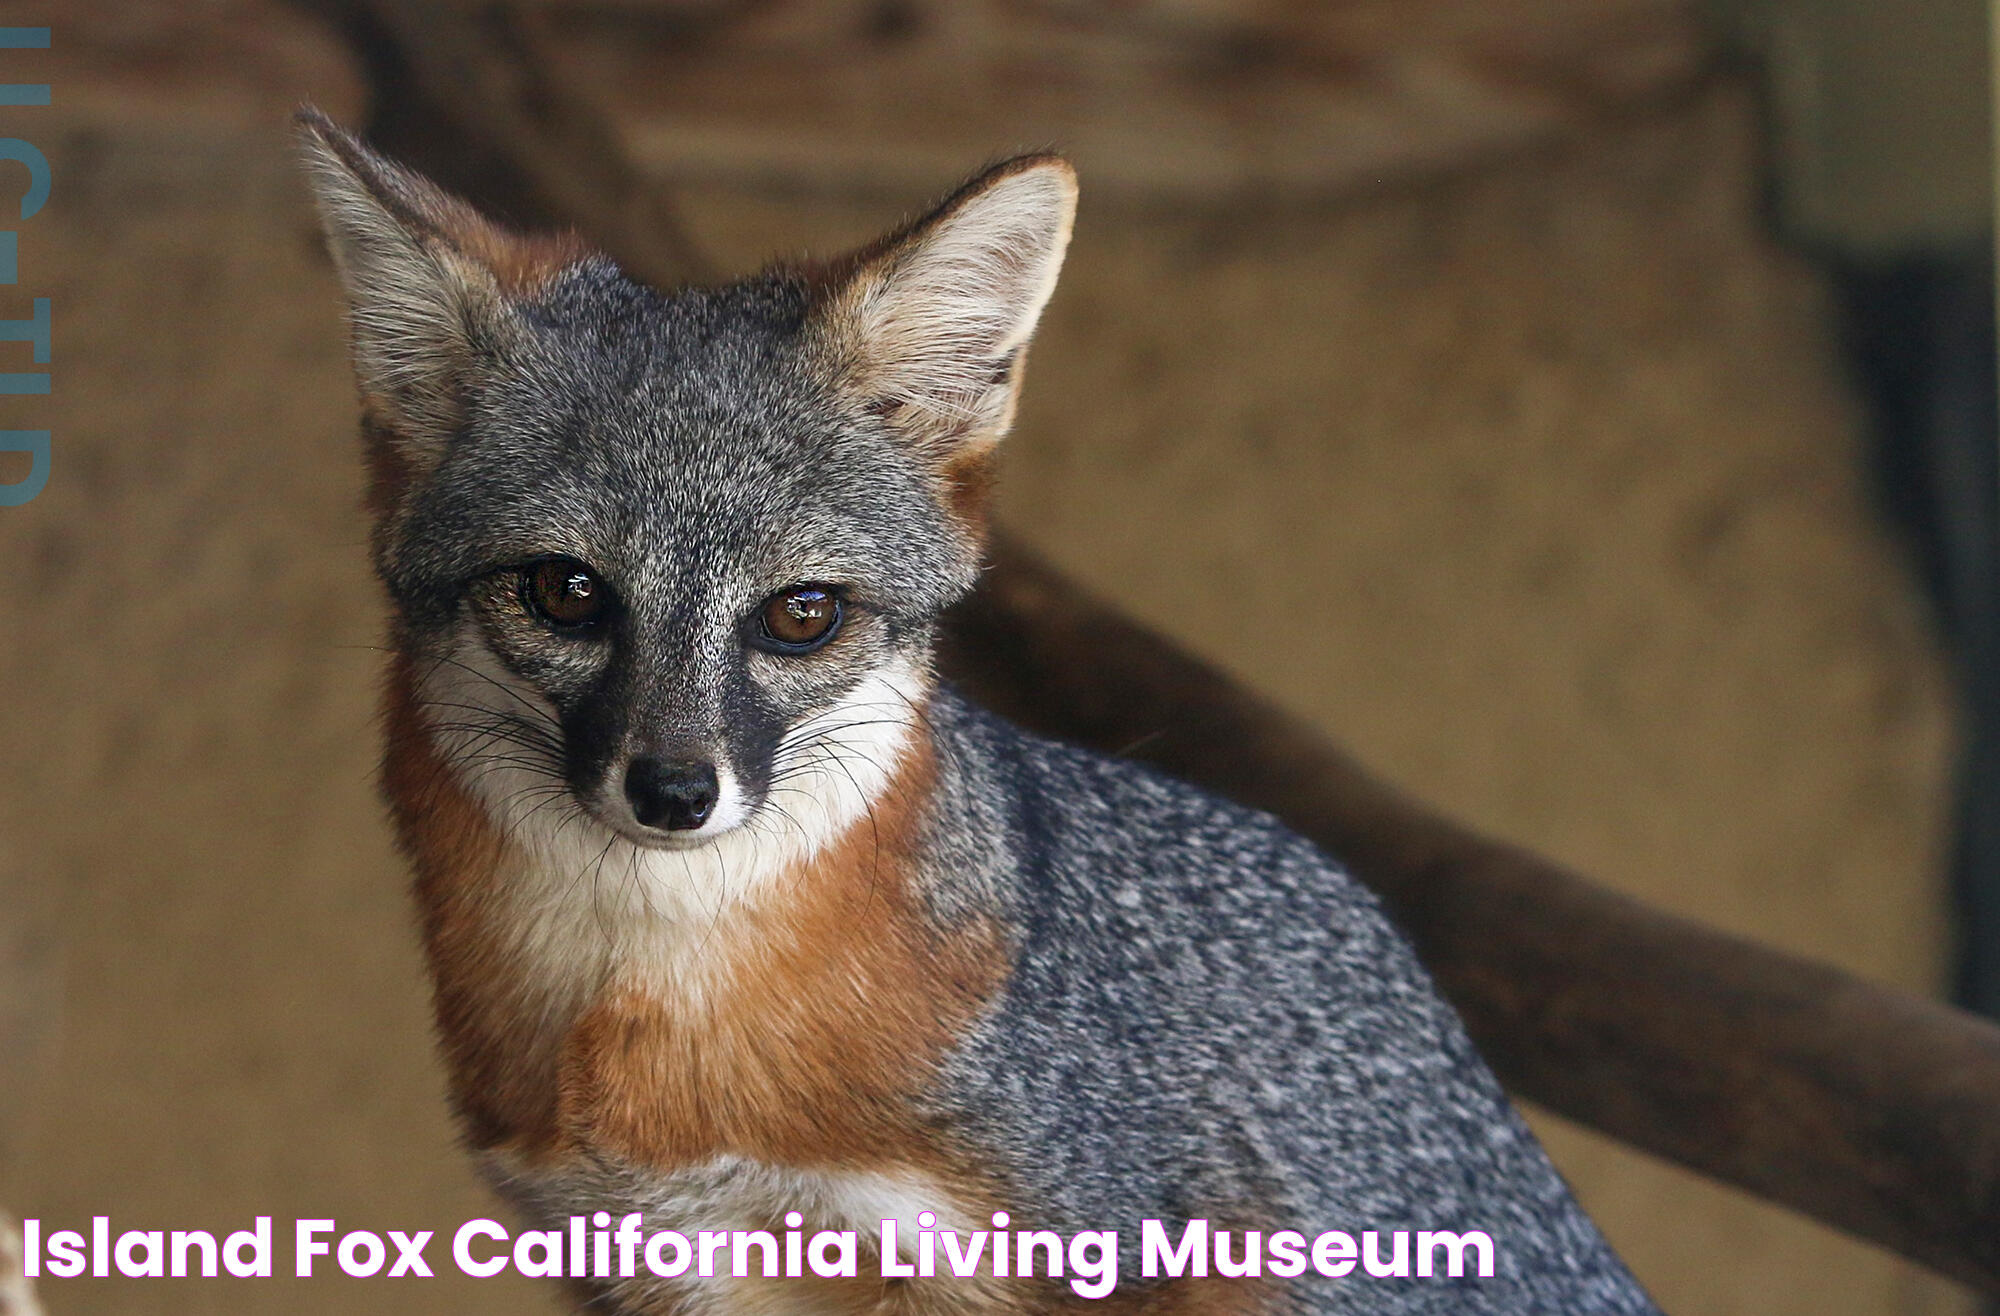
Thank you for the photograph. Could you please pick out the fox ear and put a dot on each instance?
(427, 282)
(934, 320)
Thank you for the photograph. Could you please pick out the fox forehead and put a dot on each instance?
(702, 430)
(523, 395)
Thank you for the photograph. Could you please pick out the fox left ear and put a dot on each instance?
(429, 284)
(933, 321)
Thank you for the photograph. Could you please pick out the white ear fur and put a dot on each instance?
(941, 314)
(414, 302)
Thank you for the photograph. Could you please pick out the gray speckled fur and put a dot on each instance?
(1208, 1017)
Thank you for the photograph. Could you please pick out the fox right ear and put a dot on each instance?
(933, 320)
(427, 279)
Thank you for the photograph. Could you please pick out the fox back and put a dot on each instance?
(736, 918)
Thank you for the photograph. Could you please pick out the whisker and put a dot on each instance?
(495, 682)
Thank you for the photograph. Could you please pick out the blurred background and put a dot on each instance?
(1583, 409)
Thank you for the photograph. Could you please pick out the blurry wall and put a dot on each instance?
(1881, 142)
(1881, 119)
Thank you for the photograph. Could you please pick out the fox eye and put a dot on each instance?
(798, 620)
(564, 593)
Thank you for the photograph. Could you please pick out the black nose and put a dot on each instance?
(670, 793)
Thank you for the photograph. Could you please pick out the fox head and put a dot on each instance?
(667, 565)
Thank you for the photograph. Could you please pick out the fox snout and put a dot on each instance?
(671, 794)
(663, 790)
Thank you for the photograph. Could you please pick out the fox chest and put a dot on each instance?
(727, 1194)
(704, 1122)
(782, 1079)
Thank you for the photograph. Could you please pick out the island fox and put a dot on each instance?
(738, 918)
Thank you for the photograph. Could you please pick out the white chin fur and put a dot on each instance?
(823, 783)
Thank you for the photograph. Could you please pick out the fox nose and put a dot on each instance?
(671, 793)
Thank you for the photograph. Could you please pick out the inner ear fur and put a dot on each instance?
(931, 323)
(428, 279)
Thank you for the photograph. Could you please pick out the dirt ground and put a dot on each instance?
(1537, 485)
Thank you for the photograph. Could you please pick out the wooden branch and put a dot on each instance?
(1869, 1109)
